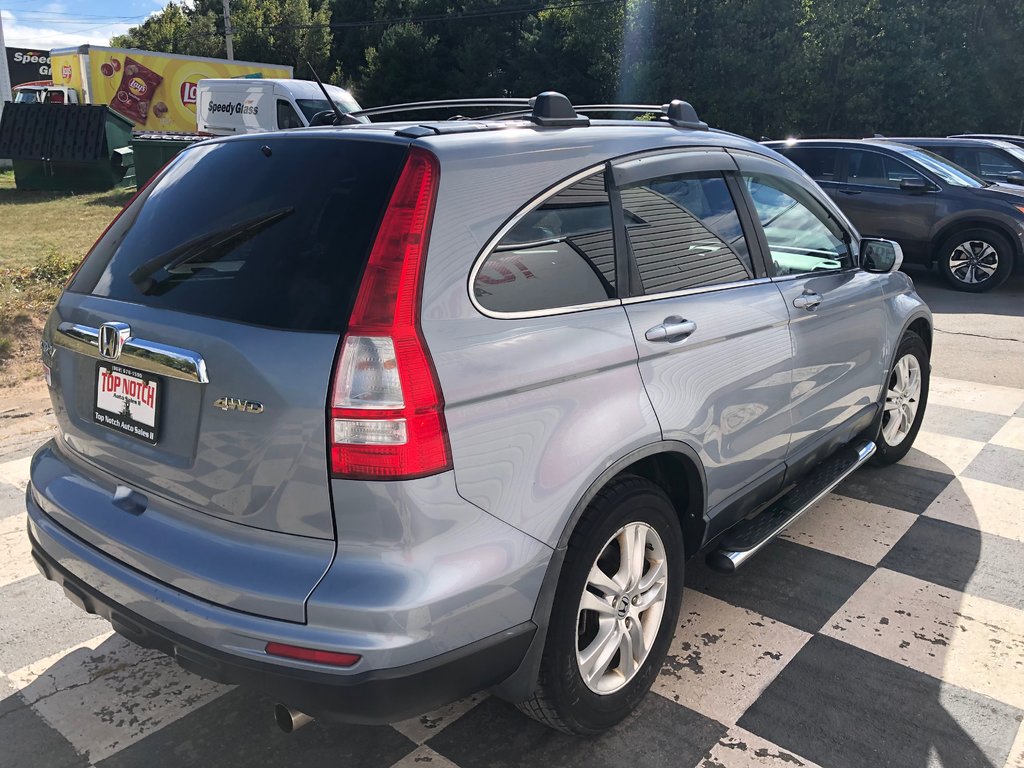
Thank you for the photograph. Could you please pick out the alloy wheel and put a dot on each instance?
(621, 608)
(902, 400)
(973, 261)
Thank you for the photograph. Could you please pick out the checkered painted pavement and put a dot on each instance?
(885, 629)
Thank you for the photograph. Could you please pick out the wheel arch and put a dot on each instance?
(922, 327)
(672, 465)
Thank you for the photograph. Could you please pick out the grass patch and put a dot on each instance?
(43, 238)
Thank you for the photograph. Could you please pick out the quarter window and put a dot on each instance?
(684, 232)
(561, 254)
(801, 236)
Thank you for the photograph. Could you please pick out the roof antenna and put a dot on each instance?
(338, 116)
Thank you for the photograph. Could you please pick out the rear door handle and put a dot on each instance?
(808, 301)
(674, 328)
(848, 191)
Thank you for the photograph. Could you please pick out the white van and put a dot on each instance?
(225, 107)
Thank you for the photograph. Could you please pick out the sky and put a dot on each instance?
(62, 24)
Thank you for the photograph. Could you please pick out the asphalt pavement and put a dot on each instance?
(978, 336)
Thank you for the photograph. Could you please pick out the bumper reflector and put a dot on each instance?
(334, 658)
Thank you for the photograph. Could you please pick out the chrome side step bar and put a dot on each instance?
(746, 538)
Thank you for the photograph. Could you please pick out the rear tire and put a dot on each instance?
(906, 397)
(600, 662)
(976, 260)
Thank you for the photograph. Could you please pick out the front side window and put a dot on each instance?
(877, 170)
(561, 254)
(801, 236)
(684, 232)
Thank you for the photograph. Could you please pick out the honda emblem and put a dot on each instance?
(112, 339)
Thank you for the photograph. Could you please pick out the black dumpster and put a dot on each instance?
(152, 151)
(69, 147)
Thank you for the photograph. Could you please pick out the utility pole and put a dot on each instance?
(227, 31)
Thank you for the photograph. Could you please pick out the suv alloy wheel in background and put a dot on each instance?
(411, 410)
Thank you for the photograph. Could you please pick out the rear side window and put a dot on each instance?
(273, 232)
(684, 232)
(560, 254)
(877, 170)
(983, 162)
(818, 162)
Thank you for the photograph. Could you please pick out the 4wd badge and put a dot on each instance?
(237, 404)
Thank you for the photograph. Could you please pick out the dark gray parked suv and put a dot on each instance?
(941, 214)
(372, 417)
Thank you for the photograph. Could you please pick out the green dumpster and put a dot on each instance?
(69, 147)
(152, 151)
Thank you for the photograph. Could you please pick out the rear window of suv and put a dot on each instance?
(272, 232)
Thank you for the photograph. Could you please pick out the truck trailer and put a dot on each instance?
(154, 91)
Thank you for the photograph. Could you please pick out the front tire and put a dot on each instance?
(906, 396)
(615, 609)
(976, 260)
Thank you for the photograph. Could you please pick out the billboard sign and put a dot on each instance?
(28, 65)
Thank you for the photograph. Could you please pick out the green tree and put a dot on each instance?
(174, 30)
(403, 67)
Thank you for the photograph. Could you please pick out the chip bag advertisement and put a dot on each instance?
(155, 91)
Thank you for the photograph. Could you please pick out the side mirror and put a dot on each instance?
(914, 184)
(880, 256)
(1015, 177)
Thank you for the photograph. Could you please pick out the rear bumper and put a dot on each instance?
(375, 696)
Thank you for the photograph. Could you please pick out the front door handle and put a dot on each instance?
(808, 301)
(674, 328)
(848, 191)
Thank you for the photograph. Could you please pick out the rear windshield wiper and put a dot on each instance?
(234, 235)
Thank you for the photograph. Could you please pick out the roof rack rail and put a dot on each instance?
(679, 113)
(422, 106)
(548, 109)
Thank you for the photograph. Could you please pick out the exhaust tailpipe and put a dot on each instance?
(288, 719)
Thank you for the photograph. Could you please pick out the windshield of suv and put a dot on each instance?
(943, 168)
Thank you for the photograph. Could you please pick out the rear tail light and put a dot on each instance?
(386, 410)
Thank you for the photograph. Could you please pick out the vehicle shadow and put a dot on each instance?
(1006, 300)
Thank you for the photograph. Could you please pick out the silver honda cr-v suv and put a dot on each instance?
(371, 417)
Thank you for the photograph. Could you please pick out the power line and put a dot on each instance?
(21, 14)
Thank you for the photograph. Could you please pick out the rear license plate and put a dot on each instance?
(127, 401)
